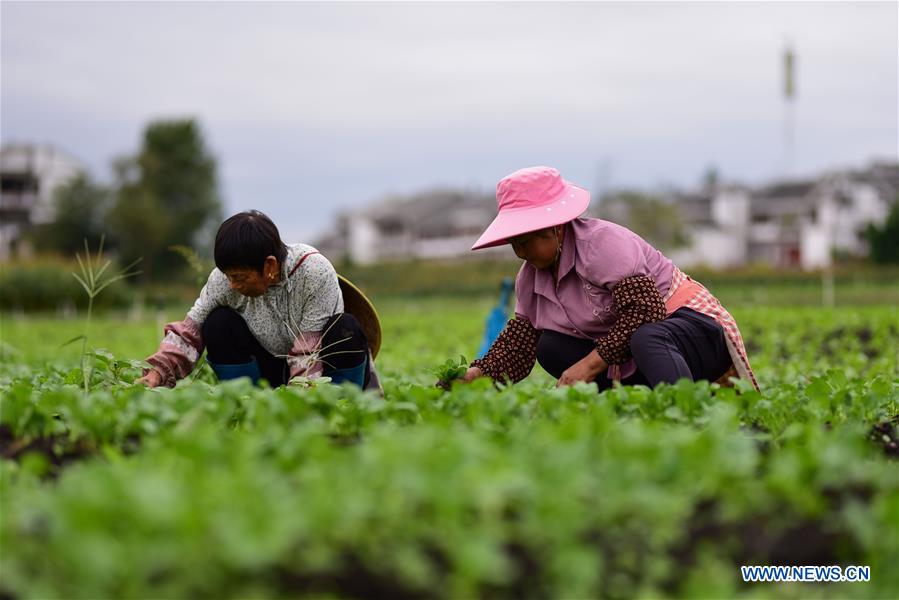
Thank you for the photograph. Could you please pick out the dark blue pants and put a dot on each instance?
(229, 341)
(685, 345)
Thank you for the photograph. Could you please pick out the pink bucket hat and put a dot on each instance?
(531, 199)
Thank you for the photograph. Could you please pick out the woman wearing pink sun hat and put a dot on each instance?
(595, 302)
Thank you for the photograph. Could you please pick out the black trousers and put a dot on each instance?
(229, 341)
(687, 344)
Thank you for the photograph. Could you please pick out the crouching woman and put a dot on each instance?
(595, 302)
(268, 311)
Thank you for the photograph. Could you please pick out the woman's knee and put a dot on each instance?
(646, 336)
(343, 342)
(219, 324)
(228, 338)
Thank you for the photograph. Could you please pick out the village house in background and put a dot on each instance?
(431, 225)
(786, 224)
(29, 176)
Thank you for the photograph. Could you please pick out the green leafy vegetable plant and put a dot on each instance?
(94, 280)
(450, 371)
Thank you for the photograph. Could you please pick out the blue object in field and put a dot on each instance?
(497, 318)
(226, 372)
(352, 374)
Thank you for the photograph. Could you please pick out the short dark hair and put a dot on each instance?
(245, 240)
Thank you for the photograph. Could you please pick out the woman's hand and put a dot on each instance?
(152, 379)
(586, 369)
(471, 374)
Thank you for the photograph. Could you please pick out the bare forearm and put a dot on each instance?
(586, 369)
(595, 363)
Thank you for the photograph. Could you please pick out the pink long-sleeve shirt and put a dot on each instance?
(596, 256)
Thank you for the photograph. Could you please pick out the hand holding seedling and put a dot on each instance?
(471, 374)
(450, 371)
(586, 369)
(152, 379)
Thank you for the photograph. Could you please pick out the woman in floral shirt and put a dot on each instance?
(595, 302)
(268, 311)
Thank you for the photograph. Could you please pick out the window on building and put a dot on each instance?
(18, 183)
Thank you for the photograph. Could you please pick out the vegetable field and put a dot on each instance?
(229, 491)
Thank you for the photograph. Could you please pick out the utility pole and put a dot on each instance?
(789, 71)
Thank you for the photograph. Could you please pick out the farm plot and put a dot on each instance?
(225, 490)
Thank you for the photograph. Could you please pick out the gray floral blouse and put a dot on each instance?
(287, 319)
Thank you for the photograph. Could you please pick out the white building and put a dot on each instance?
(29, 176)
(788, 223)
(431, 225)
(803, 224)
(718, 225)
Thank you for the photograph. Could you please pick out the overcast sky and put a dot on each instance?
(315, 108)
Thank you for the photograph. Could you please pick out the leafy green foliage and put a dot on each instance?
(165, 195)
(79, 212)
(199, 267)
(233, 491)
(449, 371)
(94, 279)
(882, 239)
(652, 217)
(475, 492)
(47, 284)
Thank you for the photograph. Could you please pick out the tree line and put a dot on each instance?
(165, 195)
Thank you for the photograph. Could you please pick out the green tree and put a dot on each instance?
(80, 208)
(884, 240)
(711, 177)
(652, 218)
(167, 195)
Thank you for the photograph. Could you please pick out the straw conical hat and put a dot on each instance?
(358, 305)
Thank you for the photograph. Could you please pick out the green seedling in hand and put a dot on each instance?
(450, 371)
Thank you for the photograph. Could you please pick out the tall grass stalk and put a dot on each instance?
(93, 281)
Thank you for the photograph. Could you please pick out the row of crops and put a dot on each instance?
(523, 491)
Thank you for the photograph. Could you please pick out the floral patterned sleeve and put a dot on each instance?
(183, 344)
(637, 301)
(178, 352)
(513, 354)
